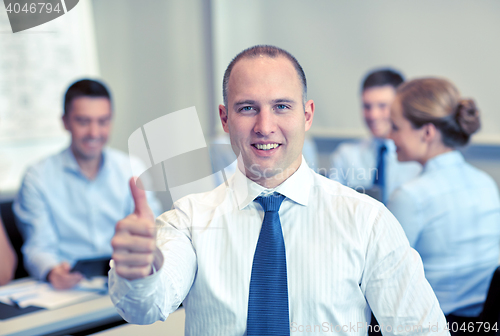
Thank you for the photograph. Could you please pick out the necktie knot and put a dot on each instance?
(271, 203)
(382, 149)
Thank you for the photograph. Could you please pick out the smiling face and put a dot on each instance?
(266, 118)
(411, 144)
(89, 121)
(377, 102)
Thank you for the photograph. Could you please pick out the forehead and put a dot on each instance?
(384, 93)
(90, 107)
(262, 77)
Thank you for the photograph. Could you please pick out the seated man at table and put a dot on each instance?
(69, 203)
(371, 165)
(8, 258)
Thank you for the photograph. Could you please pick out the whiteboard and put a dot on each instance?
(337, 42)
(36, 67)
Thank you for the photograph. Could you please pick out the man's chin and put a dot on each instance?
(256, 172)
(402, 158)
(379, 133)
(89, 155)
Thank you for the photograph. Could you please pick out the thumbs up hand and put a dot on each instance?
(134, 241)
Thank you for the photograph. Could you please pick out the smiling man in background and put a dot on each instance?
(371, 165)
(69, 203)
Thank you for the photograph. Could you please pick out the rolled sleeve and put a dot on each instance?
(33, 220)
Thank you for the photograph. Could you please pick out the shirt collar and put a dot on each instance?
(443, 160)
(377, 142)
(296, 187)
(70, 163)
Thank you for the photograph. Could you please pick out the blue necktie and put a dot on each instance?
(268, 298)
(380, 173)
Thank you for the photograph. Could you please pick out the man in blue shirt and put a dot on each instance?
(69, 203)
(371, 165)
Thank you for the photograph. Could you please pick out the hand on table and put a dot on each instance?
(61, 278)
(134, 241)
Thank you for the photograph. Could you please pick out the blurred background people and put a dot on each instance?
(371, 165)
(451, 212)
(69, 203)
(8, 258)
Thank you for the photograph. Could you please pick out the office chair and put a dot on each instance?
(491, 309)
(15, 237)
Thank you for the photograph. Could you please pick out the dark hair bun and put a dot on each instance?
(468, 116)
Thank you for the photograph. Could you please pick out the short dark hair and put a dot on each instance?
(85, 88)
(269, 51)
(382, 77)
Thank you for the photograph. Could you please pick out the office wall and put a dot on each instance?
(338, 41)
(162, 56)
(157, 55)
(156, 58)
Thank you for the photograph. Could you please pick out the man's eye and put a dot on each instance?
(246, 108)
(281, 106)
(104, 122)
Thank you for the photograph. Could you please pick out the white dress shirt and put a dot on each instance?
(345, 253)
(355, 165)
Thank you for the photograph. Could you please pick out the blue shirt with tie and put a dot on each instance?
(451, 216)
(64, 216)
(355, 164)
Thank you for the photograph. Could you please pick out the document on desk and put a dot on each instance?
(41, 294)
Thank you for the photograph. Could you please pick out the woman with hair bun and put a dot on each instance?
(451, 211)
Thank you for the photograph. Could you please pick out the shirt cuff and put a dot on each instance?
(42, 270)
(138, 288)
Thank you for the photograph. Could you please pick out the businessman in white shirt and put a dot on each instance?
(331, 253)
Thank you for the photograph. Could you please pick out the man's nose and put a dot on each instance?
(94, 130)
(265, 122)
(371, 112)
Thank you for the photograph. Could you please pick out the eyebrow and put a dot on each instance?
(85, 118)
(275, 101)
(283, 100)
(244, 102)
(81, 118)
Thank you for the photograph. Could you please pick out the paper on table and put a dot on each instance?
(32, 293)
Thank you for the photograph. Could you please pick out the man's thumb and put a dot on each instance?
(142, 208)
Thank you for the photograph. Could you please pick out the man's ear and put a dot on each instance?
(309, 113)
(223, 117)
(65, 122)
